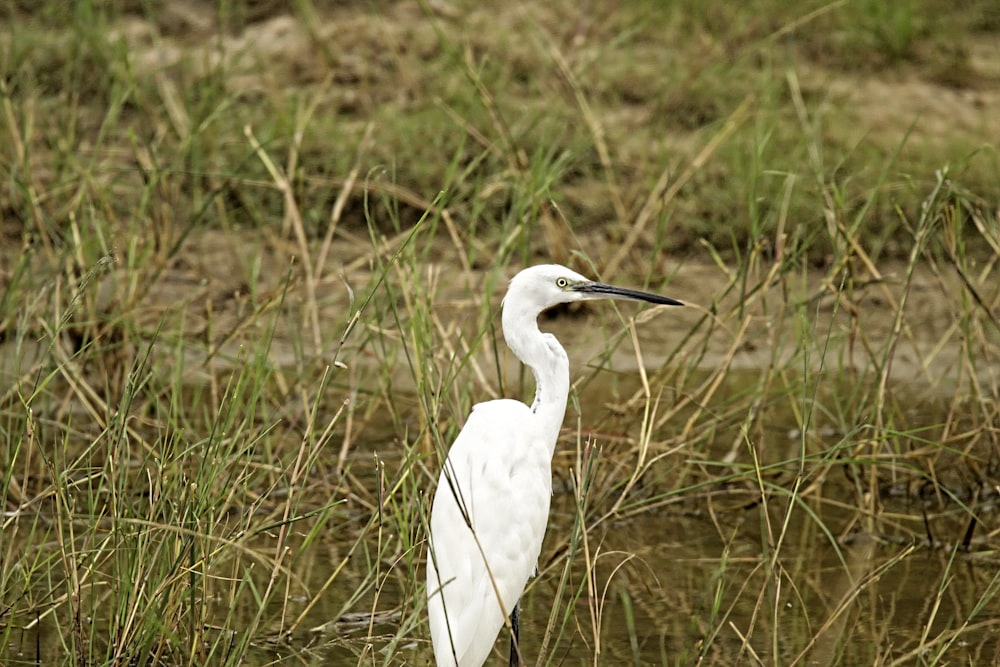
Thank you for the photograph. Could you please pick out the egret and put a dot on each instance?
(492, 500)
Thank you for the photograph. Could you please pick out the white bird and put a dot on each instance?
(492, 500)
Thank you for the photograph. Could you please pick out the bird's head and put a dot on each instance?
(540, 287)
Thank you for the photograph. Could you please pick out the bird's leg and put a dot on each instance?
(515, 644)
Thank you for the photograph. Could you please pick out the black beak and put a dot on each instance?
(611, 292)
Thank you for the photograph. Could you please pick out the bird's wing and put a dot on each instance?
(498, 476)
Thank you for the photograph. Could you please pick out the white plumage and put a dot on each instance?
(492, 500)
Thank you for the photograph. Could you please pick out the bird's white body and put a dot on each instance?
(492, 501)
(489, 469)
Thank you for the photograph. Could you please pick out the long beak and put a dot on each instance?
(600, 290)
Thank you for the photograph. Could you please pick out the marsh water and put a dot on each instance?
(804, 559)
(675, 564)
(669, 575)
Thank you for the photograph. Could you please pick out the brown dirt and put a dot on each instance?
(368, 59)
(203, 297)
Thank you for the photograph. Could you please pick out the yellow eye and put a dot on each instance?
(562, 283)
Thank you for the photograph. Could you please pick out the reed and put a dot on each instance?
(251, 291)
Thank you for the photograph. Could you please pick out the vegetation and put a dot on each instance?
(252, 259)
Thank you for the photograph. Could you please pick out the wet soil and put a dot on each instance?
(218, 296)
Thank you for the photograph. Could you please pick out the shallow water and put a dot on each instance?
(834, 595)
(844, 575)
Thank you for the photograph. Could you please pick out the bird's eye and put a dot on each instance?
(562, 283)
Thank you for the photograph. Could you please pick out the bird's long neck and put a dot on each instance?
(548, 362)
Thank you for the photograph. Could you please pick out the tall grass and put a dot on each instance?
(242, 321)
